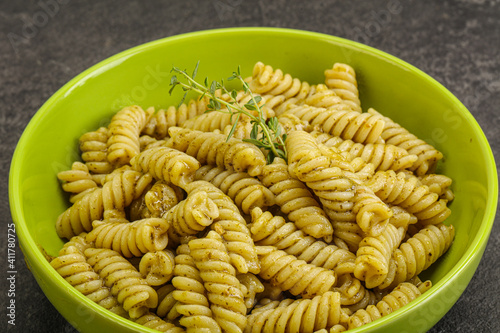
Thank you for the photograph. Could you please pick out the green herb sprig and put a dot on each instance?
(270, 136)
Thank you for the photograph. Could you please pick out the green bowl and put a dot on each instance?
(141, 76)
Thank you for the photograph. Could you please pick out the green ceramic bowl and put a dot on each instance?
(141, 76)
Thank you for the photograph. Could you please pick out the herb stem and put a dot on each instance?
(204, 91)
(271, 139)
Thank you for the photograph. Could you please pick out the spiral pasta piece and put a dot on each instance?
(191, 215)
(232, 227)
(188, 115)
(295, 200)
(362, 170)
(270, 304)
(167, 164)
(159, 123)
(297, 276)
(250, 286)
(125, 282)
(323, 97)
(372, 215)
(115, 195)
(349, 232)
(290, 122)
(330, 176)
(374, 255)
(161, 197)
(211, 121)
(322, 172)
(167, 305)
(334, 329)
(246, 191)
(79, 242)
(397, 135)
(275, 231)
(270, 294)
(130, 238)
(145, 141)
(151, 320)
(282, 89)
(382, 156)
(76, 180)
(124, 129)
(403, 294)
(401, 218)
(266, 80)
(439, 184)
(302, 148)
(219, 278)
(94, 151)
(302, 315)
(215, 149)
(408, 192)
(71, 264)
(341, 78)
(347, 124)
(353, 294)
(157, 267)
(137, 209)
(120, 188)
(418, 253)
(190, 294)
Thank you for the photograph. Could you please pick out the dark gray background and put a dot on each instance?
(456, 42)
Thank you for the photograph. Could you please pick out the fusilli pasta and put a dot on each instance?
(297, 276)
(275, 231)
(124, 129)
(374, 255)
(382, 156)
(153, 321)
(295, 200)
(191, 215)
(399, 136)
(399, 297)
(347, 124)
(177, 223)
(94, 151)
(232, 227)
(408, 192)
(130, 238)
(167, 164)
(78, 180)
(162, 120)
(417, 253)
(215, 149)
(157, 267)
(219, 278)
(246, 191)
(115, 195)
(302, 315)
(125, 282)
(72, 266)
(191, 294)
(341, 78)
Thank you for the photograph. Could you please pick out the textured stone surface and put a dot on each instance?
(456, 42)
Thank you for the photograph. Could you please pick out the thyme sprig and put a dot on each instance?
(270, 136)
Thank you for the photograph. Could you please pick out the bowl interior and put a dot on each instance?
(142, 75)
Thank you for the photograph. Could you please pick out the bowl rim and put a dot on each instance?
(30, 249)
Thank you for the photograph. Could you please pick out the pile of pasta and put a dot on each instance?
(176, 228)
